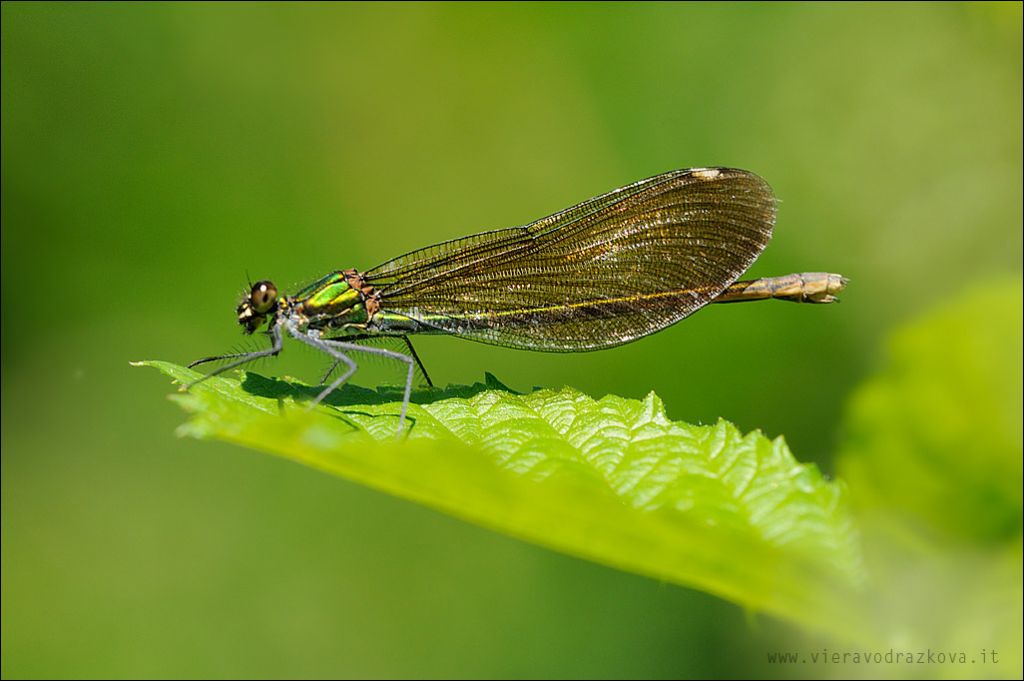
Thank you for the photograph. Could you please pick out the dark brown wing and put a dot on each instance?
(607, 271)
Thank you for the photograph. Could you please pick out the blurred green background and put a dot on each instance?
(153, 154)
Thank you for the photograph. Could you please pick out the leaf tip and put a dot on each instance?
(655, 409)
(492, 382)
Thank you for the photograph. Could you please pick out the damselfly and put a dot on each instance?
(605, 272)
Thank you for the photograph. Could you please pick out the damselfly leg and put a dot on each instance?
(404, 339)
(337, 348)
(239, 358)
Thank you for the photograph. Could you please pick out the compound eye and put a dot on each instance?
(263, 297)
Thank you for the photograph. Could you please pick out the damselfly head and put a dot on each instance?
(257, 304)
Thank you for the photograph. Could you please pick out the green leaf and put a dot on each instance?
(936, 435)
(933, 459)
(612, 480)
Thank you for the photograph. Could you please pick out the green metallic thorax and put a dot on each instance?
(331, 303)
(332, 306)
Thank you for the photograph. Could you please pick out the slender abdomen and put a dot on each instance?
(806, 287)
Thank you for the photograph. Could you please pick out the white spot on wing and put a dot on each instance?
(707, 173)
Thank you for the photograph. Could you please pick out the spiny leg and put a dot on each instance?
(240, 357)
(423, 369)
(384, 353)
(321, 345)
(330, 370)
(218, 358)
(408, 344)
(336, 362)
(332, 347)
(352, 366)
